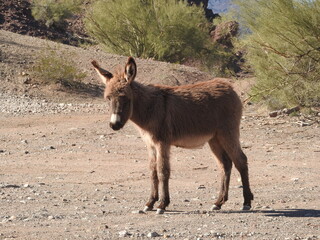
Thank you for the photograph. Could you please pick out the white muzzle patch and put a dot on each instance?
(115, 118)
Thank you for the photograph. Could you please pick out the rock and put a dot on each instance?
(49, 148)
(124, 233)
(303, 124)
(223, 33)
(138, 212)
(286, 111)
(273, 114)
(152, 234)
(104, 198)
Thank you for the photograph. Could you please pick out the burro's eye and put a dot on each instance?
(108, 98)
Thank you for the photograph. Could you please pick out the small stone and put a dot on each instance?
(152, 234)
(273, 114)
(26, 185)
(124, 233)
(138, 212)
(265, 207)
(104, 198)
(166, 235)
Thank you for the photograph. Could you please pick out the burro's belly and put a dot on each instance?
(191, 141)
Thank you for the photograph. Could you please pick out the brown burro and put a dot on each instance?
(184, 116)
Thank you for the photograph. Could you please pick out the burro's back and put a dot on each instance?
(202, 109)
(183, 116)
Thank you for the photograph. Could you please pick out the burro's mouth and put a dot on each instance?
(116, 126)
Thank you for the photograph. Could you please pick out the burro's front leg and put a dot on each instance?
(163, 170)
(154, 196)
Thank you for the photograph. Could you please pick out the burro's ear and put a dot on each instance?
(104, 74)
(130, 71)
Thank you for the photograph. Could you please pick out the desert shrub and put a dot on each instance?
(283, 49)
(51, 68)
(167, 30)
(54, 12)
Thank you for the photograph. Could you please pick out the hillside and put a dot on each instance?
(19, 52)
(15, 16)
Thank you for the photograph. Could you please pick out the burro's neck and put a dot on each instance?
(145, 101)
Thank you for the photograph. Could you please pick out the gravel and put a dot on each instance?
(17, 106)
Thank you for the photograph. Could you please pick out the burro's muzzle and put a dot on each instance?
(115, 122)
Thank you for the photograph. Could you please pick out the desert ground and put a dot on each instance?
(65, 174)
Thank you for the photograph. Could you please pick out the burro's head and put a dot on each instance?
(118, 91)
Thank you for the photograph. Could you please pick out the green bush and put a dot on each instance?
(52, 68)
(166, 30)
(283, 48)
(54, 12)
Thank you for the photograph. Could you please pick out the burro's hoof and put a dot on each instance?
(215, 207)
(160, 211)
(147, 209)
(246, 208)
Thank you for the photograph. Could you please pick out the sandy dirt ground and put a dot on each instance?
(69, 176)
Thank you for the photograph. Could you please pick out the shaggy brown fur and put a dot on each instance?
(183, 116)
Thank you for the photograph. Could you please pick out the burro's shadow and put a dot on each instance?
(294, 213)
(298, 213)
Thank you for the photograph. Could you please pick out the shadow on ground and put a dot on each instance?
(269, 213)
(292, 213)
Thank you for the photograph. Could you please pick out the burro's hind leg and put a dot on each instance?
(232, 147)
(225, 165)
(242, 166)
